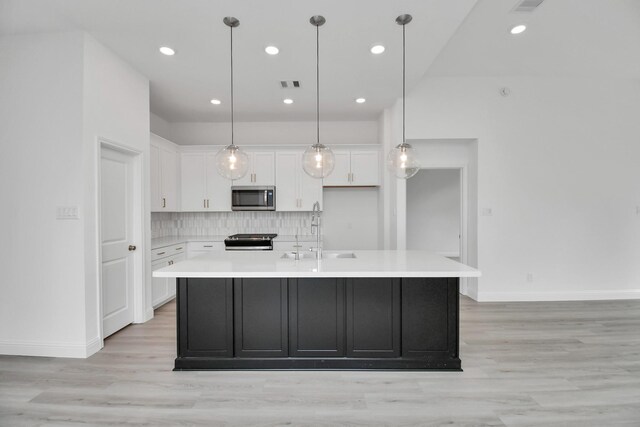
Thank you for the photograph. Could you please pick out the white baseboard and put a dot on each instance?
(558, 296)
(51, 349)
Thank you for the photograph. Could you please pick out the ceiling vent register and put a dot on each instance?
(527, 5)
(290, 84)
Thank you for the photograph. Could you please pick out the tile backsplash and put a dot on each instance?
(226, 223)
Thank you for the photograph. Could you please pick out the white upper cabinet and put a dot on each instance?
(365, 167)
(218, 187)
(164, 175)
(194, 182)
(295, 190)
(261, 169)
(355, 168)
(203, 189)
(341, 171)
(156, 198)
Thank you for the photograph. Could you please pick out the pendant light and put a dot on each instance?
(231, 161)
(402, 161)
(318, 160)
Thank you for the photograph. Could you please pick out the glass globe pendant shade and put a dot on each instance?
(318, 161)
(402, 161)
(232, 162)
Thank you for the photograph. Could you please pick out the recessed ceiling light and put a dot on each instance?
(361, 100)
(215, 102)
(377, 49)
(288, 101)
(271, 50)
(518, 29)
(167, 51)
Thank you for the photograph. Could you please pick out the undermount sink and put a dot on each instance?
(312, 255)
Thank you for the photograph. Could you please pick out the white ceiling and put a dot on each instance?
(182, 85)
(564, 38)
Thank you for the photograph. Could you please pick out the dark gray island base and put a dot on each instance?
(318, 323)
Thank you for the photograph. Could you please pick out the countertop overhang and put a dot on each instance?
(270, 264)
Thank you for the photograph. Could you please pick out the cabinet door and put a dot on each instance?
(169, 180)
(218, 187)
(316, 318)
(193, 182)
(428, 302)
(171, 283)
(286, 181)
(159, 285)
(260, 312)
(248, 178)
(341, 171)
(373, 317)
(156, 198)
(264, 168)
(205, 323)
(310, 189)
(365, 167)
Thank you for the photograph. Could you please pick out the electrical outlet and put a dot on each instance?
(486, 212)
(349, 226)
(529, 277)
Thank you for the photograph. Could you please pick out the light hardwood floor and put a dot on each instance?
(561, 363)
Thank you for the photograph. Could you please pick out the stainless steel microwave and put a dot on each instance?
(252, 198)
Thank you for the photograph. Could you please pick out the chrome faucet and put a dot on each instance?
(297, 246)
(316, 228)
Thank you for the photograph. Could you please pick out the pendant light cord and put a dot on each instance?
(231, 28)
(318, 82)
(403, 81)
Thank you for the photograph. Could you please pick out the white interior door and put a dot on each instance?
(116, 216)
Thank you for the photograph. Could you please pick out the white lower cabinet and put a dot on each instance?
(163, 289)
(295, 190)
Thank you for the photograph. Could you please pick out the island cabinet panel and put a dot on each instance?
(373, 317)
(261, 318)
(205, 320)
(429, 318)
(316, 319)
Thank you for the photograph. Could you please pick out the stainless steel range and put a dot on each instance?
(249, 242)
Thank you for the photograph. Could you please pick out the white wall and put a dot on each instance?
(59, 90)
(160, 126)
(41, 258)
(350, 218)
(558, 168)
(116, 108)
(433, 211)
(269, 133)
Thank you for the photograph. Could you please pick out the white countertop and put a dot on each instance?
(366, 264)
(161, 242)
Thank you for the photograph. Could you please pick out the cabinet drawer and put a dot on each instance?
(197, 248)
(167, 251)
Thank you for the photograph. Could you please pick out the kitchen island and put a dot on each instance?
(360, 310)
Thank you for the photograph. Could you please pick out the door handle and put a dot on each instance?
(132, 248)
(164, 202)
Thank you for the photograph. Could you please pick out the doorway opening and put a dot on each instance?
(451, 164)
(434, 212)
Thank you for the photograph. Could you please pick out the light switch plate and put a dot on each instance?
(486, 212)
(67, 212)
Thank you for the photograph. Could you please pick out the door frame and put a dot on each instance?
(463, 169)
(138, 207)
